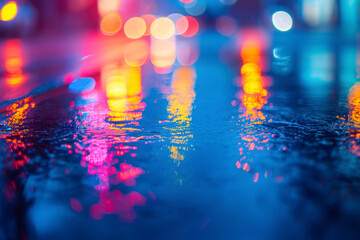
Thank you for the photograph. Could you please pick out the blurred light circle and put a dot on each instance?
(162, 28)
(149, 19)
(188, 25)
(8, 12)
(111, 23)
(182, 24)
(225, 25)
(135, 28)
(228, 2)
(282, 21)
(196, 8)
(175, 17)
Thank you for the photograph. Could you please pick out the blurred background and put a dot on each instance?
(22, 18)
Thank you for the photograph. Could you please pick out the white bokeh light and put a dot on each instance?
(282, 21)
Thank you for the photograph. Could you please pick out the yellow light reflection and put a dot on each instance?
(124, 92)
(255, 95)
(18, 112)
(180, 108)
(125, 81)
(8, 12)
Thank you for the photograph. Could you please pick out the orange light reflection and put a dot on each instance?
(13, 63)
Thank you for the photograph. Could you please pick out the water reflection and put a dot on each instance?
(113, 131)
(253, 96)
(15, 171)
(180, 107)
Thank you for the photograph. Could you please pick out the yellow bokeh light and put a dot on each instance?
(124, 82)
(111, 23)
(162, 28)
(9, 11)
(135, 28)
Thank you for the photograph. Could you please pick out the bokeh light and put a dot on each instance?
(135, 28)
(175, 17)
(108, 6)
(8, 12)
(188, 26)
(149, 19)
(14, 62)
(162, 28)
(196, 7)
(225, 25)
(111, 23)
(282, 21)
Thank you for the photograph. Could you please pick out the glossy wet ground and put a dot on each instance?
(248, 142)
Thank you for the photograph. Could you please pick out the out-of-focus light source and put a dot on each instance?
(135, 28)
(282, 21)
(13, 63)
(111, 23)
(187, 26)
(108, 6)
(321, 12)
(149, 19)
(196, 7)
(162, 28)
(225, 25)
(175, 17)
(8, 12)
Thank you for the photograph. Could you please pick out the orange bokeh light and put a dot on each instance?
(13, 62)
(111, 23)
(135, 28)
